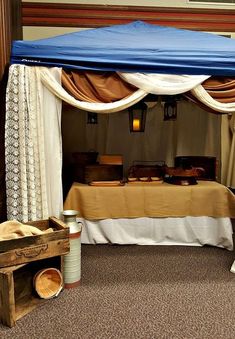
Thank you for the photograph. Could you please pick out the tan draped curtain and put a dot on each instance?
(96, 86)
(221, 89)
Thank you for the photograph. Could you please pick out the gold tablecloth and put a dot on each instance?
(207, 198)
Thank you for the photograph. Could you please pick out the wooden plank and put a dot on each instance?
(25, 298)
(32, 253)
(41, 224)
(76, 15)
(7, 299)
(53, 222)
(34, 240)
(27, 249)
(27, 305)
(10, 29)
(58, 224)
(33, 6)
(17, 295)
(60, 233)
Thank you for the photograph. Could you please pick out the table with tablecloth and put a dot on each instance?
(155, 213)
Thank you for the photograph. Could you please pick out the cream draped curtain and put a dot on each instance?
(163, 84)
(33, 134)
(202, 95)
(50, 82)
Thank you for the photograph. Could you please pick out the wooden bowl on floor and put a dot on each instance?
(48, 283)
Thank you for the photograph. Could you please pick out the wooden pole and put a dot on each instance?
(10, 29)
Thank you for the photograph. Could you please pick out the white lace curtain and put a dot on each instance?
(32, 146)
(33, 134)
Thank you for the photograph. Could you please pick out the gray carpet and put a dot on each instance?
(140, 292)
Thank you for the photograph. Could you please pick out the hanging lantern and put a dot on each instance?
(170, 108)
(92, 118)
(137, 117)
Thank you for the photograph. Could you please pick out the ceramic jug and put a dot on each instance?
(72, 260)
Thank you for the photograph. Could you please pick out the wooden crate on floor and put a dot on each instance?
(36, 247)
(17, 295)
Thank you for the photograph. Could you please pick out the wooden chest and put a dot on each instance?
(33, 248)
(85, 158)
(98, 172)
(205, 162)
(147, 169)
(17, 295)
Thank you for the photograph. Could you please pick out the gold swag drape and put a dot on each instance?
(96, 86)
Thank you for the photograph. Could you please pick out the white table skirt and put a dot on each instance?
(189, 231)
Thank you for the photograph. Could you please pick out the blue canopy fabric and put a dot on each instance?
(133, 47)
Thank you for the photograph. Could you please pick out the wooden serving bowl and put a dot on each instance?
(181, 172)
(48, 282)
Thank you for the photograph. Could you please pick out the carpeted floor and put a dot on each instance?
(142, 292)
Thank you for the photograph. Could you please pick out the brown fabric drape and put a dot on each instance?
(221, 89)
(96, 86)
(107, 87)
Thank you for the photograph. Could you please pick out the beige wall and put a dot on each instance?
(34, 33)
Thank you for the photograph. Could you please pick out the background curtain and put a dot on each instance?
(228, 151)
(195, 132)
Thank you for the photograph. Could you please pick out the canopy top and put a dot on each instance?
(133, 47)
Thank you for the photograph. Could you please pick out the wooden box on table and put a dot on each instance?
(110, 167)
(32, 248)
(209, 164)
(98, 172)
(17, 295)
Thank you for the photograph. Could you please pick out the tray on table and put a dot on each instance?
(111, 183)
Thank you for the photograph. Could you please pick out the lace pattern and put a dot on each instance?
(24, 147)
